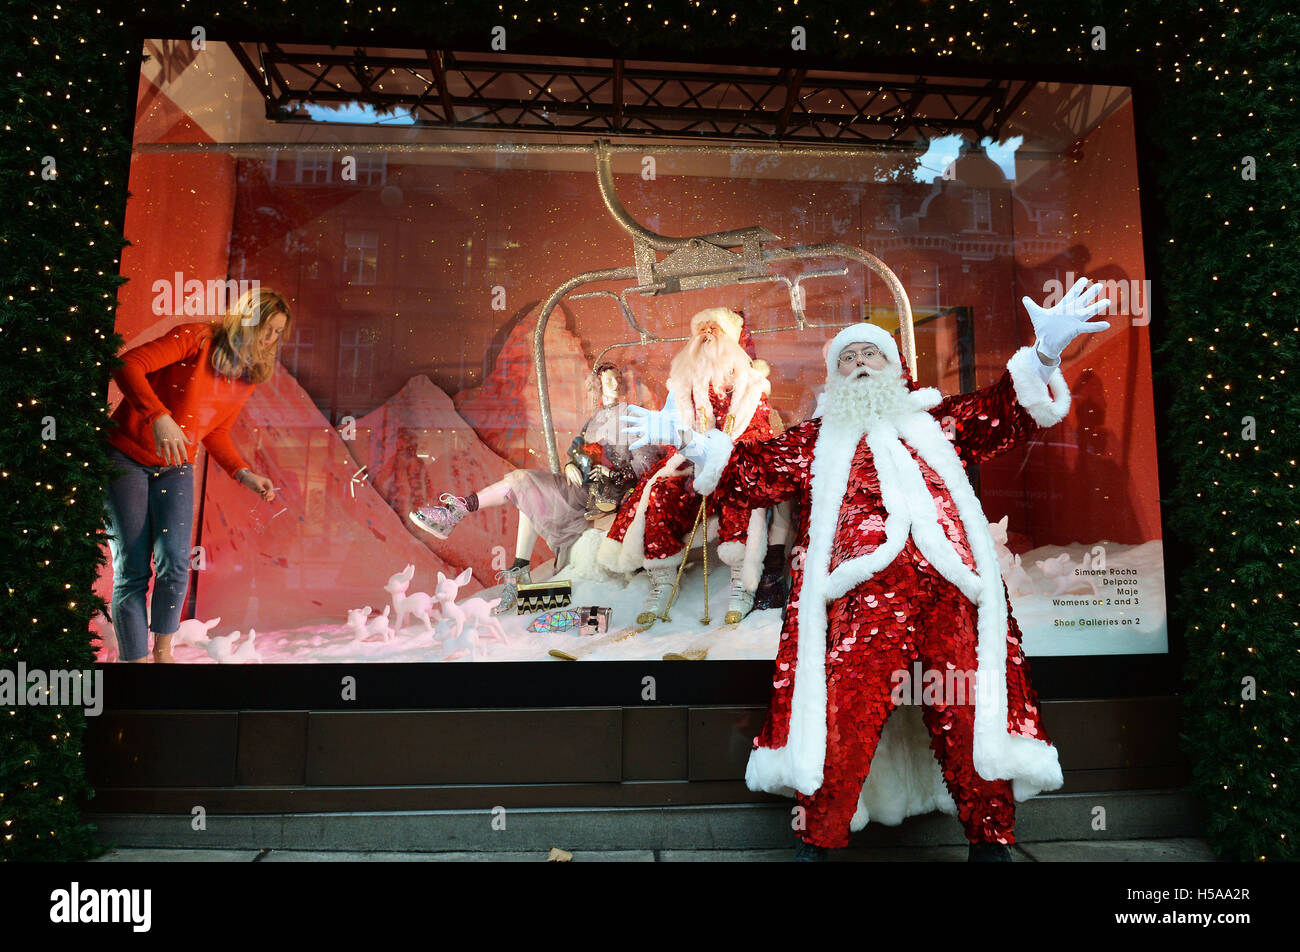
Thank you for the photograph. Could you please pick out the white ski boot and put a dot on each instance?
(740, 602)
(661, 590)
(510, 594)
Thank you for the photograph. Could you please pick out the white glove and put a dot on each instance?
(1057, 326)
(696, 450)
(709, 453)
(659, 427)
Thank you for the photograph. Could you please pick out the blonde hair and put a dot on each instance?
(234, 353)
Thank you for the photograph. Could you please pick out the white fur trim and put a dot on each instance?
(719, 447)
(731, 553)
(905, 778)
(863, 332)
(667, 562)
(749, 554)
(607, 554)
(1047, 402)
(584, 561)
(998, 754)
(898, 785)
(745, 395)
(629, 555)
(926, 398)
(730, 322)
(755, 550)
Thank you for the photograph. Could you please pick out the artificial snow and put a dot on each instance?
(756, 637)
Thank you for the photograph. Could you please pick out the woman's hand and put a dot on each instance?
(170, 441)
(258, 484)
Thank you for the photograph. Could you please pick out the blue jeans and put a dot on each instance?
(149, 514)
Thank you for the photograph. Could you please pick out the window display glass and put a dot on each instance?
(422, 476)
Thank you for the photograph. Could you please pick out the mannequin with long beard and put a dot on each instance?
(713, 384)
(896, 569)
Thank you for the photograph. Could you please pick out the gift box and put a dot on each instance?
(542, 596)
(594, 620)
(557, 619)
(591, 620)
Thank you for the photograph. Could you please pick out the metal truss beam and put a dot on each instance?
(441, 88)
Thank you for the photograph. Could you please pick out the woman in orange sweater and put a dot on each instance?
(187, 386)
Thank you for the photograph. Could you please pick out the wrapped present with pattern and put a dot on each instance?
(543, 596)
(591, 620)
(558, 619)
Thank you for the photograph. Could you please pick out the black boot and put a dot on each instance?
(772, 585)
(805, 852)
(989, 853)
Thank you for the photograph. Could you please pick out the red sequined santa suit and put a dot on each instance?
(895, 565)
(655, 520)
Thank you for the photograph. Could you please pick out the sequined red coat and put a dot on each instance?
(656, 518)
(856, 510)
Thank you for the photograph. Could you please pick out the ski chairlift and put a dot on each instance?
(692, 263)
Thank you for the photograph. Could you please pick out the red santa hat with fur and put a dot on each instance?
(864, 332)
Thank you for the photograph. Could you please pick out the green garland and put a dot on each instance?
(64, 97)
(1226, 348)
(1231, 362)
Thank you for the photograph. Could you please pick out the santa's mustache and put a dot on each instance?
(864, 372)
(717, 356)
(704, 344)
(874, 392)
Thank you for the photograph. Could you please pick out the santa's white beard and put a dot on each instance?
(857, 403)
(701, 364)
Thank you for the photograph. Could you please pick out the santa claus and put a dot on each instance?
(898, 575)
(713, 386)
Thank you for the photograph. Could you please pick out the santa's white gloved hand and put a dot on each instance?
(1057, 326)
(709, 452)
(658, 427)
(696, 449)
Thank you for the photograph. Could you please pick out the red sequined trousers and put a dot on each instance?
(906, 613)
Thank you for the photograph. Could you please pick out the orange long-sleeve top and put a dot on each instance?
(174, 374)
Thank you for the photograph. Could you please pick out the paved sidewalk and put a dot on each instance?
(1177, 849)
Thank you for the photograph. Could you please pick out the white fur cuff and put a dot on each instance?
(718, 447)
(1048, 402)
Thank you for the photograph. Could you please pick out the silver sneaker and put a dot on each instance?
(510, 594)
(440, 520)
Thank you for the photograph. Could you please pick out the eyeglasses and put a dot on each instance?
(851, 356)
